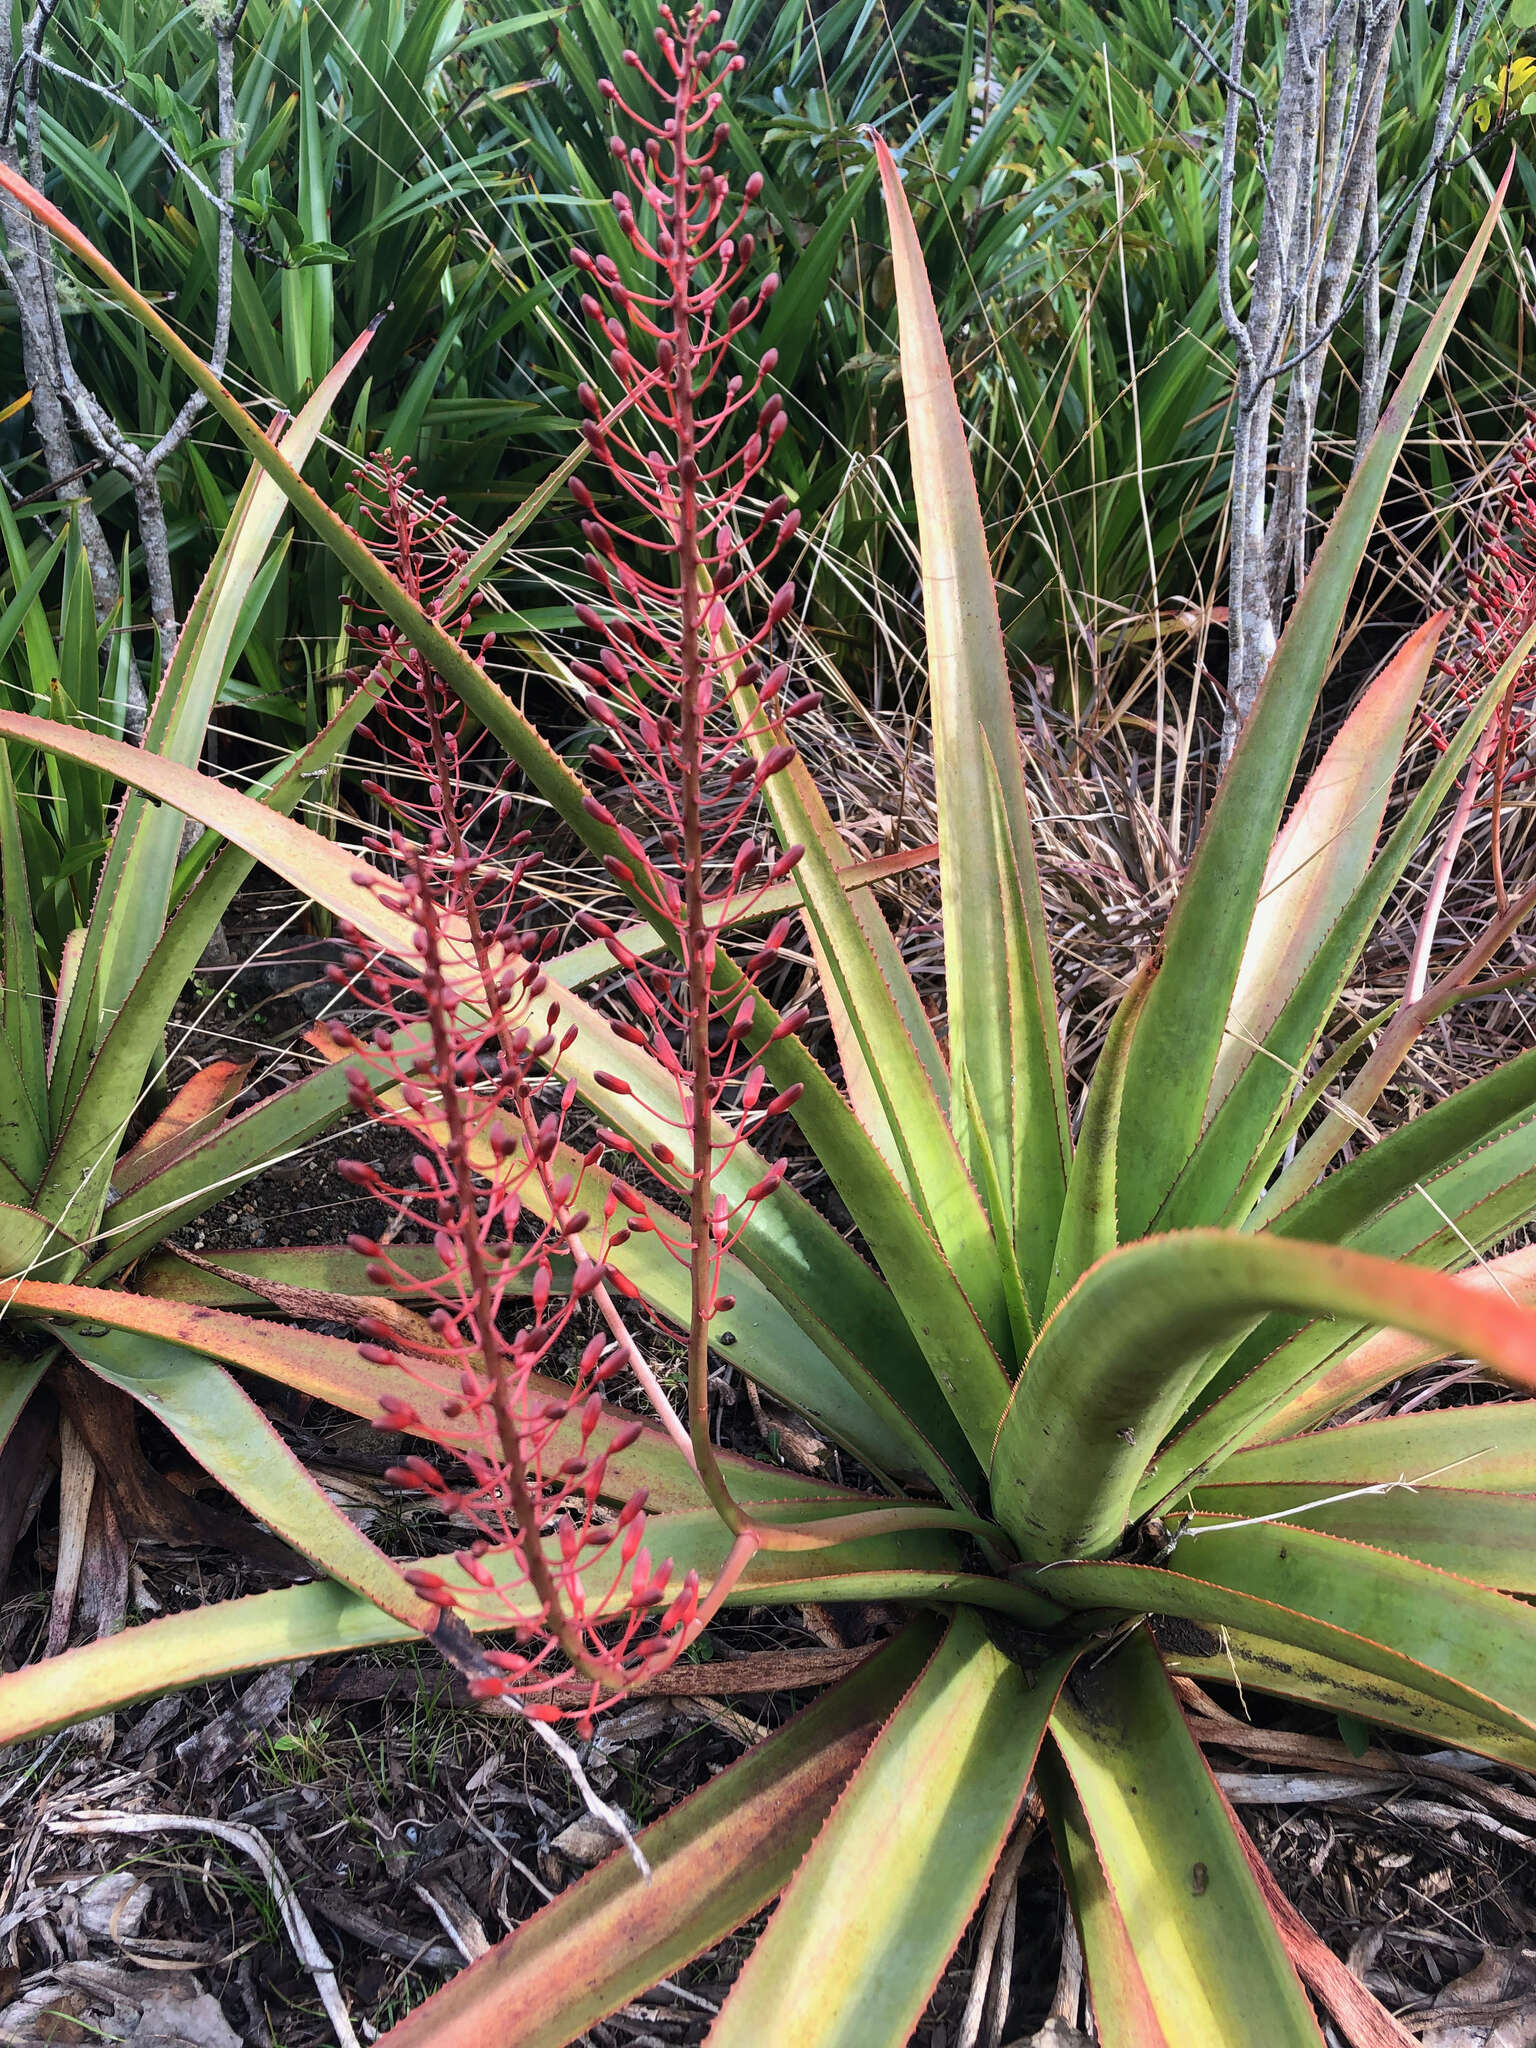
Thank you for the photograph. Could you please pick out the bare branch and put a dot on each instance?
(224, 41)
(116, 99)
(1458, 53)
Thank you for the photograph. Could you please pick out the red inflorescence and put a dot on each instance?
(466, 1061)
(1501, 609)
(694, 710)
(467, 1056)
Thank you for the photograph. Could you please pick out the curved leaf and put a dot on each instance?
(1389, 1618)
(322, 1620)
(1226, 1173)
(331, 1369)
(1488, 1537)
(234, 1442)
(1126, 1351)
(1488, 1448)
(1387, 1356)
(859, 1938)
(1088, 1216)
(1258, 1663)
(1122, 2005)
(1479, 1201)
(886, 1074)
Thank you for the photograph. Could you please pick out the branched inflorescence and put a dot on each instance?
(466, 1062)
(695, 711)
(1500, 611)
(467, 1058)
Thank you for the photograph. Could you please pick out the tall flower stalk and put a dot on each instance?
(466, 1061)
(672, 683)
(695, 718)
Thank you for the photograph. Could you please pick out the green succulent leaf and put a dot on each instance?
(1390, 1618)
(92, 1124)
(1261, 1664)
(1486, 1536)
(1487, 1448)
(1128, 1348)
(1122, 2005)
(233, 1441)
(1324, 852)
(1215, 1970)
(716, 1858)
(329, 1619)
(1088, 1216)
(1002, 1005)
(888, 1058)
(21, 999)
(1181, 1033)
(18, 1378)
(858, 1942)
(331, 1369)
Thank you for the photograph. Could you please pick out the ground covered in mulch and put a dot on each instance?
(301, 1857)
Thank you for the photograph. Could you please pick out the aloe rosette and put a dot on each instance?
(1087, 1360)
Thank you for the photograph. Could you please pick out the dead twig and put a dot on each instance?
(305, 1941)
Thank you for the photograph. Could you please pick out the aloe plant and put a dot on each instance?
(1083, 1360)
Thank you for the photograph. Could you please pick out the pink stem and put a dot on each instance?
(1423, 945)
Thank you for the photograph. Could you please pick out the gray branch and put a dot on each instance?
(1320, 245)
(63, 405)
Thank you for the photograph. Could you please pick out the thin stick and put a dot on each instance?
(305, 1941)
(999, 1901)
